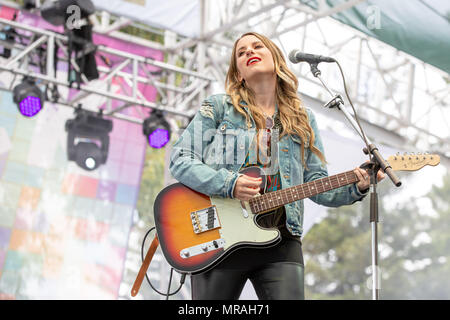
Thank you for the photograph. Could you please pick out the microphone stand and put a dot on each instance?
(376, 163)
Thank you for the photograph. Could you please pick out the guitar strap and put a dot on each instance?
(144, 266)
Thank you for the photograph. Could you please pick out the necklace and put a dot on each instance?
(269, 120)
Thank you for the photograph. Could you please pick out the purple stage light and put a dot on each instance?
(30, 106)
(28, 97)
(156, 129)
(158, 138)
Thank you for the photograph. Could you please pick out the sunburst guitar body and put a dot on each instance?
(197, 231)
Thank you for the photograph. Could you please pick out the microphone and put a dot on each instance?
(296, 56)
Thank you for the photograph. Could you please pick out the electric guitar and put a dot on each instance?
(197, 231)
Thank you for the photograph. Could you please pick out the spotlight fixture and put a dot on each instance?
(88, 139)
(157, 130)
(28, 97)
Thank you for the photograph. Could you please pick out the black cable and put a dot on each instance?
(354, 111)
(170, 282)
(167, 294)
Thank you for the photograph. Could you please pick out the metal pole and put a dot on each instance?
(50, 56)
(375, 275)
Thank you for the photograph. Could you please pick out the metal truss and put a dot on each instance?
(176, 98)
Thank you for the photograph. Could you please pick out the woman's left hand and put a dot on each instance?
(364, 179)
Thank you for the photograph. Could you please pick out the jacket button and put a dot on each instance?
(286, 176)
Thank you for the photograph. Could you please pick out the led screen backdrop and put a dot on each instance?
(64, 231)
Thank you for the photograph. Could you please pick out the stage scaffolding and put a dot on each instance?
(176, 100)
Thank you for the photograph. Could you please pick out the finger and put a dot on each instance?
(249, 191)
(248, 178)
(251, 184)
(360, 175)
(364, 174)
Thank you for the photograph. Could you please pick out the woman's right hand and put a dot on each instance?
(246, 187)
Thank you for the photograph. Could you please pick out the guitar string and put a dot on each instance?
(276, 199)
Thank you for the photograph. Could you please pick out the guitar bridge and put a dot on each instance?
(205, 219)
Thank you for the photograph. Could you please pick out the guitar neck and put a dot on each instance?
(272, 200)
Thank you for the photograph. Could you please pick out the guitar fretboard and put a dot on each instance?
(272, 200)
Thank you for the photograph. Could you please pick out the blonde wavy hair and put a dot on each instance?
(293, 116)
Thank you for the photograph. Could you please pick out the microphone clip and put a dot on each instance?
(314, 70)
(335, 102)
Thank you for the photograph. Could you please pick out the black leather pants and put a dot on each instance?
(273, 281)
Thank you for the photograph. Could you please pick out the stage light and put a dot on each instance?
(88, 139)
(88, 155)
(157, 130)
(28, 97)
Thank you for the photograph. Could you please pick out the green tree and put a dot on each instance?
(414, 249)
(152, 182)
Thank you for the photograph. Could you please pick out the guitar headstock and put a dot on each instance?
(413, 161)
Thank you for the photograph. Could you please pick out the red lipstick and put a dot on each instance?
(253, 60)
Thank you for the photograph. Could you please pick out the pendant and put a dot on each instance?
(269, 123)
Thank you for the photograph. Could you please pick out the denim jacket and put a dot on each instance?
(211, 150)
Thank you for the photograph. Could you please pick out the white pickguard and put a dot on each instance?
(236, 228)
